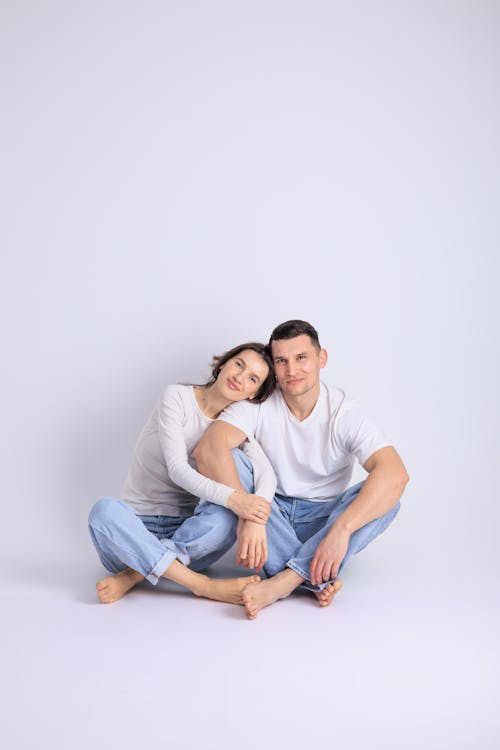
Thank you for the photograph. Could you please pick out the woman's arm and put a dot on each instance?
(172, 418)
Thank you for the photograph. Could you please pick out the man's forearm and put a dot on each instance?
(380, 492)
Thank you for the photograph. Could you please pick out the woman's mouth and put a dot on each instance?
(232, 385)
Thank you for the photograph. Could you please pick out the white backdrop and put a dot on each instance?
(178, 177)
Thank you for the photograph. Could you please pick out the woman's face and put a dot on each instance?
(242, 376)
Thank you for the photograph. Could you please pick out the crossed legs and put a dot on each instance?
(295, 528)
(132, 553)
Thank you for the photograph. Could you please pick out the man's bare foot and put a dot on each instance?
(256, 596)
(228, 590)
(326, 595)
(111, 589)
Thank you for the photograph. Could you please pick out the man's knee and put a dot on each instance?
(391, 515)
(245, 469)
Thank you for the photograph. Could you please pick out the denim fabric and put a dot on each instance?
(125, 540)
(212, 529)
(296, 527)
(149, 544)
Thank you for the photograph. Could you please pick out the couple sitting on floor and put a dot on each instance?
(274, 449)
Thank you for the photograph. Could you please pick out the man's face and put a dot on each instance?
(297, 364)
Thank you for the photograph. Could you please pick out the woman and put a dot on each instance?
(162, 487)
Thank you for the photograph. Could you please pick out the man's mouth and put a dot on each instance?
(293, 381)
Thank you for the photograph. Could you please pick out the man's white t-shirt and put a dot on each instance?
(312, 459)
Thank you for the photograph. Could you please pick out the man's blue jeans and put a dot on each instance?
(295, 528)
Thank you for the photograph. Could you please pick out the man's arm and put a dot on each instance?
(214, 459)
(384, 485)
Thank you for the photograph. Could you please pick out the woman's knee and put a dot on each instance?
(218, 516)
(105, 511)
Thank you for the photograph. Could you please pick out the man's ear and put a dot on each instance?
(323, 357)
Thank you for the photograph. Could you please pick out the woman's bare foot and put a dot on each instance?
(326, 595)
(111, 589)
(228, 590)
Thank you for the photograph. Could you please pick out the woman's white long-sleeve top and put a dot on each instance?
(163, 480)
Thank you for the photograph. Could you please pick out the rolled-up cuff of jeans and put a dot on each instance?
(161, 566)
(306, 584)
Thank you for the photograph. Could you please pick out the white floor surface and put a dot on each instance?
(386, 666)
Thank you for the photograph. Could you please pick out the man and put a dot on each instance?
(312, 435)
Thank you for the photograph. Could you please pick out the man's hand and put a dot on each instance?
(249, 507)
(329, 555)
(252, 545)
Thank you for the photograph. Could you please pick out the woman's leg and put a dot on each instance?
(133, 553)
(123, 541)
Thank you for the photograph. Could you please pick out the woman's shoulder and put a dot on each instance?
(178, 394)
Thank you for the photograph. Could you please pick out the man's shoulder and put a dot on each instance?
(247, 415)
(335, 400)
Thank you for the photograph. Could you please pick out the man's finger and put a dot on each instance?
(315, 568)
(327, 567)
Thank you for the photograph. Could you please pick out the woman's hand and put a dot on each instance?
(252, 545)
(249, 507)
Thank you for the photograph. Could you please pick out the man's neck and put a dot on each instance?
(302, 406)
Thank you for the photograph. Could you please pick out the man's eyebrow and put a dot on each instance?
(251, 373)
(298, 354)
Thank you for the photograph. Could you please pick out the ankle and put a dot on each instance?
(286, 582)
(202, 585)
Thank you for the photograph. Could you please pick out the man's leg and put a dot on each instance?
(283, 544)
(311, 526)
(300, 562)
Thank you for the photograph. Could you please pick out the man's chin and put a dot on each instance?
(294, 390)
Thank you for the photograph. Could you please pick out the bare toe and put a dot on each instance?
(326, 595)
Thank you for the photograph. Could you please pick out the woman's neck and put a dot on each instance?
(210, 400)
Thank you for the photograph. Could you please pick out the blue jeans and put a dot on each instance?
(149, 544)
(294, 529)
(145, 543)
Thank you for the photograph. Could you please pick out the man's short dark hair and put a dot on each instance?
(292, 328)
